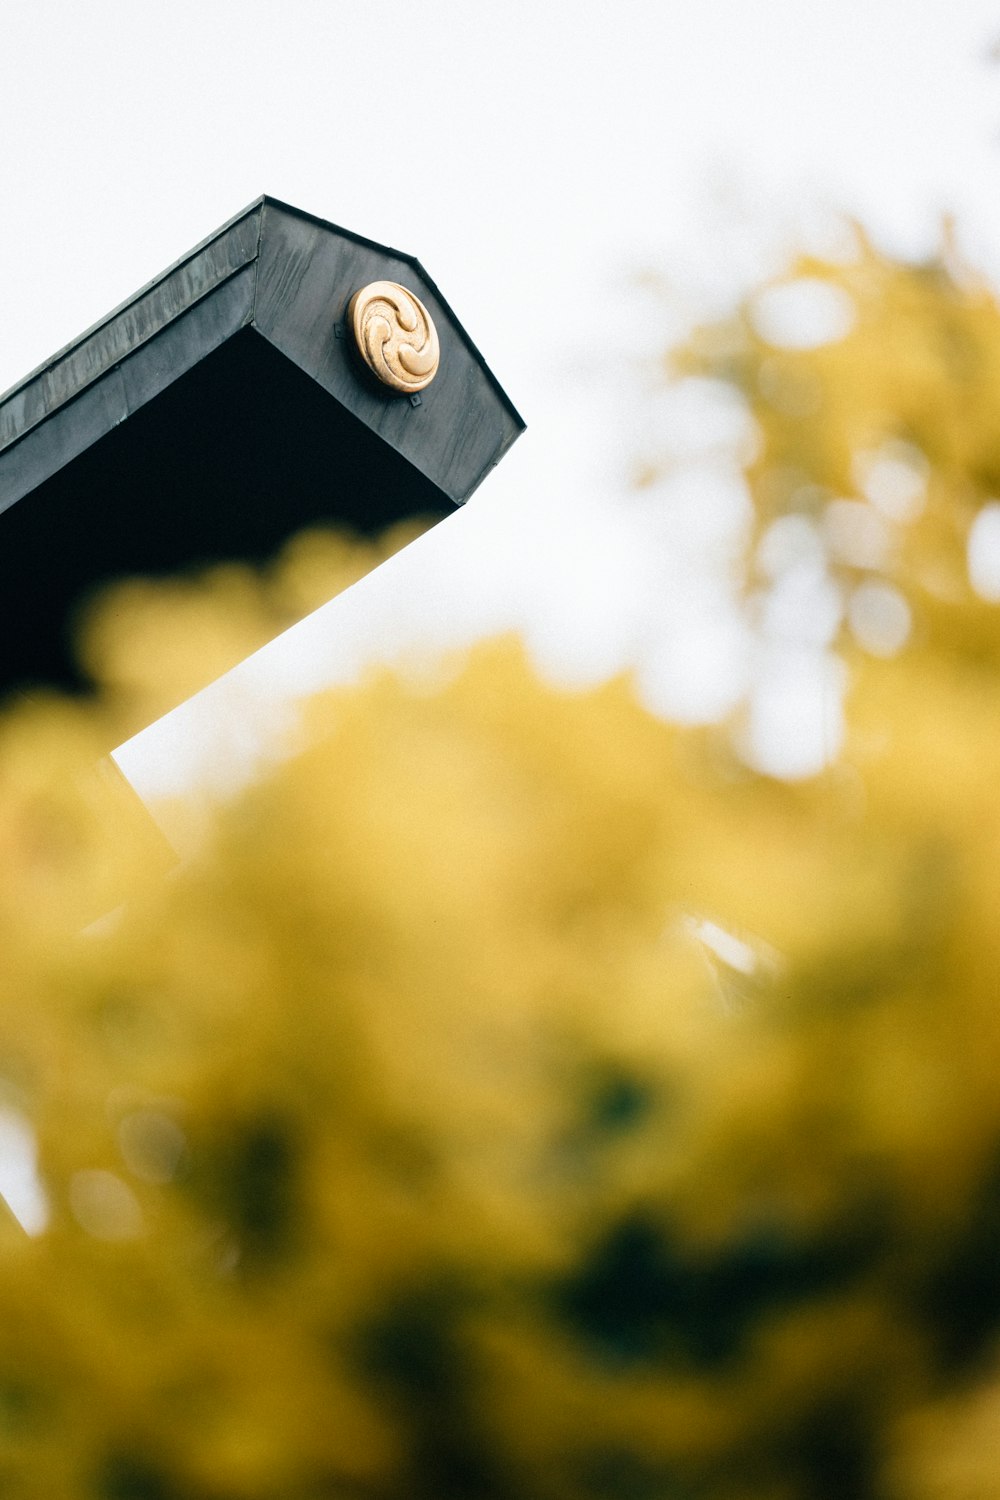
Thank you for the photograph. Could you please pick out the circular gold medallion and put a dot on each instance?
(394, 332)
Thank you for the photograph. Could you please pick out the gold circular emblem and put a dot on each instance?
(395, 334)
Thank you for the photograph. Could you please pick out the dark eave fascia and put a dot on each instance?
(17, 428)
(410, 260)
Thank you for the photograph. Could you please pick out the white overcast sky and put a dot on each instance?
(535, 155)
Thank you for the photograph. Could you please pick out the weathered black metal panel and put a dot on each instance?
(188, 339)
(133, 324)
(307, 274)
(102, 405)
(52, 445)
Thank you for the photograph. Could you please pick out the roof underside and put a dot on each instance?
(244, 438)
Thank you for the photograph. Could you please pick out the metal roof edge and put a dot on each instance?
(474, 348)
(115, 312)
(349, 234)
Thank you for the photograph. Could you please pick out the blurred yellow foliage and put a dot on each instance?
(879, 441)
(519, 1098)
(153, 643)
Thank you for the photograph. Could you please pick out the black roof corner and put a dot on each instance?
(218, 410)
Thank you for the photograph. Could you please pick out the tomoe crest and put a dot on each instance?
(395, 335)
